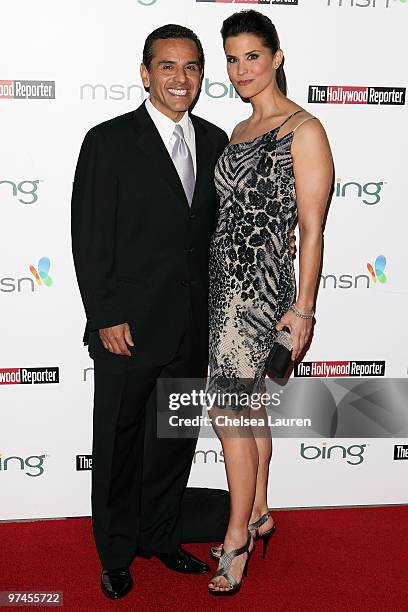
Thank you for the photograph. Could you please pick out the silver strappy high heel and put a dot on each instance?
(215, 551)
(265, 537)
(224, 566)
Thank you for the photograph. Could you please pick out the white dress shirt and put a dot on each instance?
(165, 127)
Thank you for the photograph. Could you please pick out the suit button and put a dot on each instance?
(191, 215)
(185, 283)
(190, 250)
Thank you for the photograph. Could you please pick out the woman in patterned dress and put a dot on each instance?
(276, 170)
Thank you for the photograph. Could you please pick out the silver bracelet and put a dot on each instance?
(300, 314)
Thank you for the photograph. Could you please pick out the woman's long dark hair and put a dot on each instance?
(253, 22)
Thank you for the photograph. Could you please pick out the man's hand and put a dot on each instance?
(292, 242)
(117, 339)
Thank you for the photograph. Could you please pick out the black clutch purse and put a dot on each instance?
(279, 356)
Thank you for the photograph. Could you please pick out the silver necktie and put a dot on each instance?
(183, 161)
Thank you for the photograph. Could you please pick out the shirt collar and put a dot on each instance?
(165, 125)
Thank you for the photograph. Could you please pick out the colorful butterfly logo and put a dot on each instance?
(378, 271)
(44, 265)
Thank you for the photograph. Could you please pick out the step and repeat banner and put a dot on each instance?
(67, 67)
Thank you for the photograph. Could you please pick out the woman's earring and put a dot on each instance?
(276, 67)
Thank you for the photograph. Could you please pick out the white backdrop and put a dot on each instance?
(92, 50)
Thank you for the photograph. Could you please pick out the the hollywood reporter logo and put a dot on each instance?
(29, 376)
(83, 463)
(400, 452)
(284, 2)
(320, 369)
(27, 90)
(348, 94)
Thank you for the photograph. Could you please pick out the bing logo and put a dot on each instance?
(42, 276)
(377, 272)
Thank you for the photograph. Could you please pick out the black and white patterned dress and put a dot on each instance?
(252, 281)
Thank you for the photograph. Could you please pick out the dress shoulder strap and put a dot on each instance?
(287, 119)
(302, 122)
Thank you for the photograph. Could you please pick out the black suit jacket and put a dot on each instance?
(140, 251)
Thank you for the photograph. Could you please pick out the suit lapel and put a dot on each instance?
(151, 144)
(203, 157)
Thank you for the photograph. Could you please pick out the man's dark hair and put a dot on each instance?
(170, 30)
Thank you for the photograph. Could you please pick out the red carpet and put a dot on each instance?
(332, 560)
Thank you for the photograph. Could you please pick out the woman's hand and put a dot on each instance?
(300, 330)
(292, 242)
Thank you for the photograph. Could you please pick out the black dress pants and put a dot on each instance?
(138, 479)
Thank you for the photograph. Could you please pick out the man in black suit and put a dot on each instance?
(143, 209)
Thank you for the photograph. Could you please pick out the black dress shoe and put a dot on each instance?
(183, 561)
(116, 583)
(144, 554)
